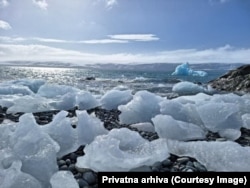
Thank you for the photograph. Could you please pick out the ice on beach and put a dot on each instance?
(54, 90)
(141, 108)
(35, 149)
(64, 102)
(62, 132)
(239, 101)
(36, 103)
(63, 179)
(22, 87)
(186, 111)
(85, 101)
(230, 134)
(169, 128)
(174, 109)
(197, 99)
(113, 98)
(188, 88)
(68, 138)
(19, 98)
(88, 127)
(246, 120)
(146, 127)
(32, 84)
(13, 177)
(14, 90)
(215, 156)
(5, 133)
(28, 104)
(115, 152)
(185, 70)
(219, 116)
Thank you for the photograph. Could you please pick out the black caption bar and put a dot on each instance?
(174, 179)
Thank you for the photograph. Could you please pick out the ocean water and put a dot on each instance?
(159, 82)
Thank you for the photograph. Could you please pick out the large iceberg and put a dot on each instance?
(185, 70)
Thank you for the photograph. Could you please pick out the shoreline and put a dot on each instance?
(87, 177)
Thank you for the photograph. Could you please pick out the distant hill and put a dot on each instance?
(133, 67)
(165, 66)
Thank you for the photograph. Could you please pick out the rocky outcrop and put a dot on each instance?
(234, 80)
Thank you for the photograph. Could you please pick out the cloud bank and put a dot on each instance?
(225, 54)
(124, 38)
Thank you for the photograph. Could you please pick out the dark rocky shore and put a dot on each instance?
(234, 81)
(110, 118)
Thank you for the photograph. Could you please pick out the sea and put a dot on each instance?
(99, 80)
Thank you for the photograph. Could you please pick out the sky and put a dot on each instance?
(125, 31)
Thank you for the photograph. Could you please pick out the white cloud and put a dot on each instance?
(4, 3)
(110, 3)
(11, 39)
(41, 4)
(4, 25)
(103, 41)
(120, 39)
(123, 38)
(135, 37)
(225, 54)
(49, 40)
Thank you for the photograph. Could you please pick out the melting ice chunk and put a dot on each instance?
(246, 120)
(115, 152)
(218, 116)
(88, 127)
(188, 88)
(61, 131)
(146, 127)
(14, 177)
(215, 156)
(35, 148)
(167, 127)
(230, 134)
(86, 101)
(112, 99)
(141, 108)
(53, 90)
(63, 179)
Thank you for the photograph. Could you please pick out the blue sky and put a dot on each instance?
(125, 31)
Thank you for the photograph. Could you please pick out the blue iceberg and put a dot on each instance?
(185, 70)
